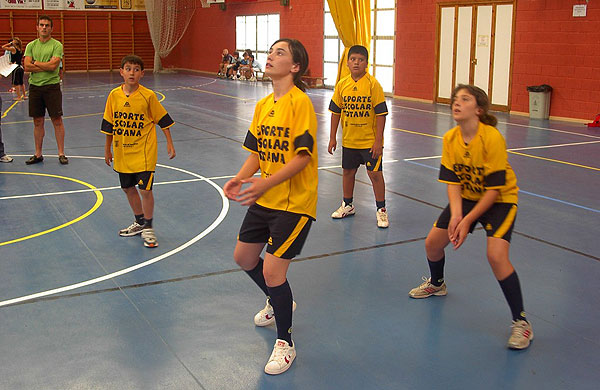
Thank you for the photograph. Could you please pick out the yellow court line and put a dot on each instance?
(556, 161)
(10, 108)
(218, 94)
(99, 200)
(418, 133)
(509, 151)
(64, 117)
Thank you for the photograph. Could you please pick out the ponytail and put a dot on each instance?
(483, 102)
(488, 119)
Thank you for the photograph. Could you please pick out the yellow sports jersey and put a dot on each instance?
(480, 165)
(132, 120)
(280, 130)
(358, 102)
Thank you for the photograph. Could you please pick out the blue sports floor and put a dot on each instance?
(82, 308)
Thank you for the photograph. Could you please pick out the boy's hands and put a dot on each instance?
(108, 157)
(377, 148)
(332, 145)
(171, 151)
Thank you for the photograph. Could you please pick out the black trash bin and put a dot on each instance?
(539, 101)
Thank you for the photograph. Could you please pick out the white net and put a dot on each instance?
(168, 20)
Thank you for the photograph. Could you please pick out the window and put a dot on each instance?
(381, 61)
(257, 33)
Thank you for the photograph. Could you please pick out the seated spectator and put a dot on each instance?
(232, 69)
(226, 59)
(256, 67)
(246, 69)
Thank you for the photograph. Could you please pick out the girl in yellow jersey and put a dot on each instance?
(482, 187)
(283, 201)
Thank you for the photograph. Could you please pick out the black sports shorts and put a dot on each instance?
(144, 180)
(282, 231)
(353, 158)
(498, 221)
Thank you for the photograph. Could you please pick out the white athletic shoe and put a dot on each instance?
(344, 211)
(6, 159)
(266, 316)
(132, 230)
(382, 218)
(426, 289)
(281, 358)
(521, 335)
(149, 238)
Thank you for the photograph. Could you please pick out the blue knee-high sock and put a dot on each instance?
(281, 300)
(512, 292)
(256, 274)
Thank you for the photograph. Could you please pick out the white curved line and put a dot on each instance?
(210, 228)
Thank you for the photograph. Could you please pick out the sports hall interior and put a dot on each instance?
(82, 308)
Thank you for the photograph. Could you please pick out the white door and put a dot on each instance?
(475, 47)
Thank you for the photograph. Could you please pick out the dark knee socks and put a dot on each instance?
(512, 292)
(437, 271)
(281, 300)
(257, 275)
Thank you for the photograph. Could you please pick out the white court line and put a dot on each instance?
(505, 123)
(119, 187)
(216, 222)
(554, 146)
(510, 150)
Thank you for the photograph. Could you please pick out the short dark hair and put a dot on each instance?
(45, 17)
(358, 49)
(132, 59)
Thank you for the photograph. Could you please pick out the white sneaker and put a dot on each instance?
(253, 78)
(149, 238)
(382, 218)
(132, 230)
(281, 358)
(343, 211)
(6, 159)
(521, 335)
(266, 316)
(426, 289)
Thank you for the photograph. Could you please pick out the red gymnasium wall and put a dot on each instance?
(211, 30)
(551, 46)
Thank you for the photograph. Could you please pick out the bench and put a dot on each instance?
(314, 82)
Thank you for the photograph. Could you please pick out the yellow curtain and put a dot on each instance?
(352, 19)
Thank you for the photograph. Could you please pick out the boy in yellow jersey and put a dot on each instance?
(130, 118)
(482, 187)
(359, 102)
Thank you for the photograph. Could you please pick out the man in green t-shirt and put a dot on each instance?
(42, 59)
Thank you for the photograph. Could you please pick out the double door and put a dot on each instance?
(475, 46)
